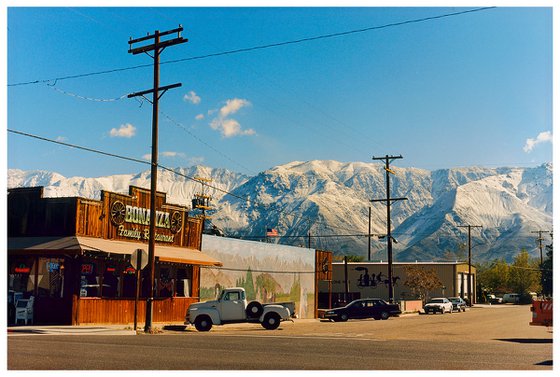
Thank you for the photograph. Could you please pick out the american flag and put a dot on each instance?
(271, 232)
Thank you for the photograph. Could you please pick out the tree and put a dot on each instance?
(248, 284)
(493, 277)
(266, 287)
(421, 281)
(546, 277)
(524, 274)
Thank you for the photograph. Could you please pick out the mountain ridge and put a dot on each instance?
(330, 200)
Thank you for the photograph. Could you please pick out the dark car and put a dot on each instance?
(363, 308)
(458, 303)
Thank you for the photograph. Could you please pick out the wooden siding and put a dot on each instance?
(121, 311)
(31, 215)
(89, 218)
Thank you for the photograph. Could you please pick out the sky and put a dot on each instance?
(264, 86)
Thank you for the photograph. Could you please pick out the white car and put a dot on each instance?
(438, 304)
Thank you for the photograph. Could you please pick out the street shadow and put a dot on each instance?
(175, 327)
(546, 362)
(526, 340)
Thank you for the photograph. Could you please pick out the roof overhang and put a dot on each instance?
(77, 245)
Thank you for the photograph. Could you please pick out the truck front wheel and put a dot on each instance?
(203, 323)
(271, 321)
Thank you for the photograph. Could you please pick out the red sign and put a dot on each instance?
(87, 269)
(22, 269)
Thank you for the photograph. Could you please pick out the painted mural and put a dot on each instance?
(268, 272)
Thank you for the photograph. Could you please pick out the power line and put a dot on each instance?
(161, 112)
(120, 157)
(203, 142)
(263, 271)
(79, 147)
(97, 151)
(225, 192)
(261, 47)
(87, 98)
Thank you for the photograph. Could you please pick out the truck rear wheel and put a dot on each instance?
(254, 309)
(271, 321)
(203, 323)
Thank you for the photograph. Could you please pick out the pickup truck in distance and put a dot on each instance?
(232, 307)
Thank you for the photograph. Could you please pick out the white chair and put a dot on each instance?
(24, 310)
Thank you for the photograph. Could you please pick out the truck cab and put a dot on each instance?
(232, 305)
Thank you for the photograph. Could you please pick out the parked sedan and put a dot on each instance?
(363, 308)
(458, 303)
(439, 304)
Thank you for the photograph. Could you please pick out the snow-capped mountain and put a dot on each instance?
(329, 200)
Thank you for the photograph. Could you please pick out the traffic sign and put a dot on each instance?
(139, 259)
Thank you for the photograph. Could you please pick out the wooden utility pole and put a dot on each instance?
(157, 47)
(540, 240)
(369, 237)
(469, 283)
(388, 201)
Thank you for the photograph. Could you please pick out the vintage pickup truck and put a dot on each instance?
(232, 307)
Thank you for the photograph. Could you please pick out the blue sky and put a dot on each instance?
(472, 89)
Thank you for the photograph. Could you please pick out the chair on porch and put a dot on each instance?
(24, 310)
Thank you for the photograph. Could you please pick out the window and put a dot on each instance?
(50, 277)
(165, 282)
(232, 296)
(21, 276)
(111, 280)
(89, 281)
(128, 274)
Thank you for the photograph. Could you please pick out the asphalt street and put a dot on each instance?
(483, 338)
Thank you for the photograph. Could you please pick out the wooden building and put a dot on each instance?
(73, 256)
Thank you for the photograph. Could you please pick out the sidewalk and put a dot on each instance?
(72, 330)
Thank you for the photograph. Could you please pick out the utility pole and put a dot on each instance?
(469, 288)
(309, 235)
(369, 237)
(540, 240)
(157, 47)
(388, 159)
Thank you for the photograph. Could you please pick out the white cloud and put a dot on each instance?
(232, 106)
(125, 130)
(62, 139)
(195, 160)
(543, 137)
(230, 127)
(199, 117)
(172, 154)
(192, 97)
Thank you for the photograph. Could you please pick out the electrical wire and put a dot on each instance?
(178, 124)
(256, 204)
(261, 47)
(261, 205)
(262, 271)
(87, 98)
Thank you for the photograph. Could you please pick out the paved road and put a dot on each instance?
(481, 339)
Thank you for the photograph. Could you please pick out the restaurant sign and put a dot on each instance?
(124, 214)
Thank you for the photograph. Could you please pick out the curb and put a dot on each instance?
(70, 330)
